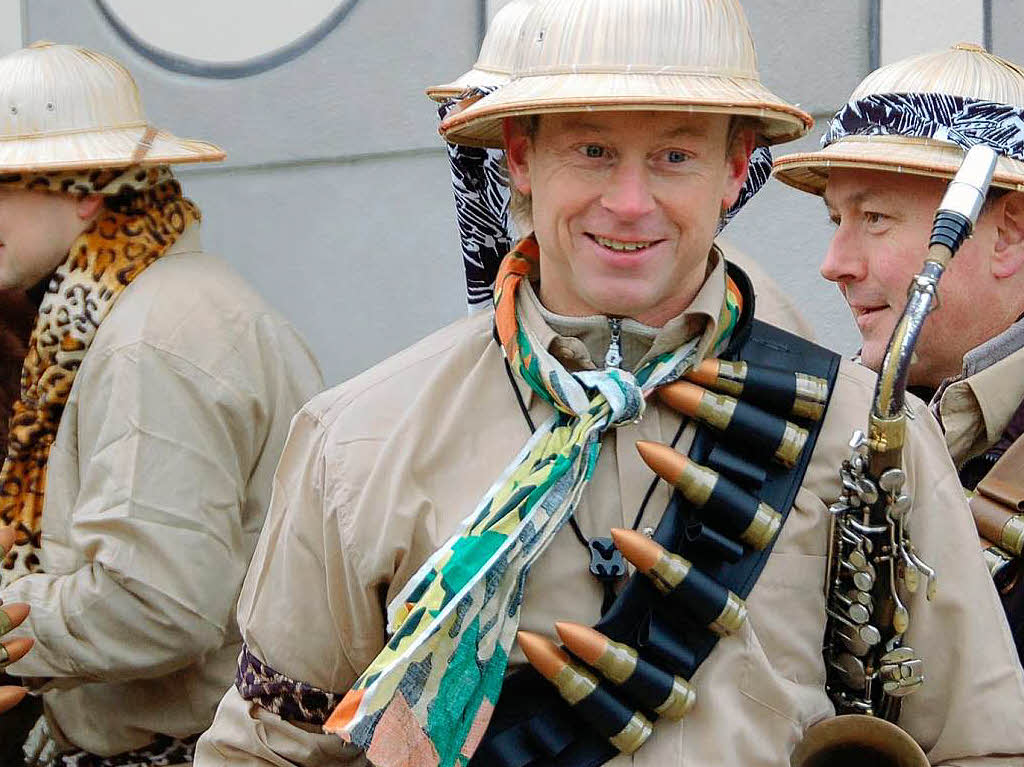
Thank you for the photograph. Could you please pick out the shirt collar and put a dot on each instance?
(985, 396)
(580, 343)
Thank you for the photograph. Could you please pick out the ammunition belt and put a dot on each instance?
(531, 724)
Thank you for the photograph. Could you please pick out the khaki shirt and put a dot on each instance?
(378, 472)
(976, 410)
(771, 304)
(158, 484)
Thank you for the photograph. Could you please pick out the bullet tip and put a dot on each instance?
(682, 396)
(584, 642)
(662, 460)
(543, 654)
(638, 549)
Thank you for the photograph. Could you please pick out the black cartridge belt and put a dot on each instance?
(531, 725)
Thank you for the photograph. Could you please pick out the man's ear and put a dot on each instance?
(517, 154)
(1008, 254)
(89, 206)
(738, 161)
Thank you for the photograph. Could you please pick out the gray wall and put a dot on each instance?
(335, 200)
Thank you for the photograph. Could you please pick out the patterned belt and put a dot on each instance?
(162, 752)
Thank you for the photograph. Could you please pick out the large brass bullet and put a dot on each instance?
(656, 690)
(780, 391)
(707, 601)
(726, 505)
(748, 425)
(625, 729)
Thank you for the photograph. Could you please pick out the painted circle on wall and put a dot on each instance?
(226, 38)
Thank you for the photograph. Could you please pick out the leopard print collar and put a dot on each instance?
(144, 214)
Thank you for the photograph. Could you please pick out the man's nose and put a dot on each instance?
(844, 262)
(628, 194)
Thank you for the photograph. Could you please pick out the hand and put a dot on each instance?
(11, 616)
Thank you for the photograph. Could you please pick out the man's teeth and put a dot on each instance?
(621, 246)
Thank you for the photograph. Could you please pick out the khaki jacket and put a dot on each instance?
(158, 484)
(379, 471)
(976, 409)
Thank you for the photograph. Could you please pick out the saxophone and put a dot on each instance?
(872, 563)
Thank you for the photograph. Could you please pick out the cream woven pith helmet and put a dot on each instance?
(965, 70)
(497, 54)
(63, 107)
(638, 55)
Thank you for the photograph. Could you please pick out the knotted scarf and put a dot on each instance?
(426, 700)
(143, 215)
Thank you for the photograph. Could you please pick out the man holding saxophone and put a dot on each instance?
(882, 171)
(417, 554)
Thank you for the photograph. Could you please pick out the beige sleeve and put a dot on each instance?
(245, 734)
(303, 609)
(970, 710)
(163, 450)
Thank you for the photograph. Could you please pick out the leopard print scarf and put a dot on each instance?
(143, 215)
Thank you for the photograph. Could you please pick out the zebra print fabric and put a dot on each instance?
(480, 182)
(961, 121)
(481, 185)
(758, 173)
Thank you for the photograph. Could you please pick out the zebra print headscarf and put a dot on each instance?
(481, 185)
(962, 121)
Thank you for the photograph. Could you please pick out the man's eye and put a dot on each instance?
(593, 151)
(675, 156)
(874, 217)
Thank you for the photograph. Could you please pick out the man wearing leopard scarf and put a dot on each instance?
(155, 398)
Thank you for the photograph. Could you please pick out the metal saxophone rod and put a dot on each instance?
(872, 563)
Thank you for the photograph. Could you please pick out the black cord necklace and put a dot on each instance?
(607, 564)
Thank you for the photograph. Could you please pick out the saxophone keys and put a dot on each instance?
(899, 507)
(867, 491)
(933, 581)
(859, 560)
(858, 613)
(856, 610)
(851, 671)
(900, 672)
(892, 481)
(902, 654)
(909, 572)
(900, 619)
(864, 581)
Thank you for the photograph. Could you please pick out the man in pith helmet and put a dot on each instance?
(463, 491)
(156, 396)
(480, 183)
(886, 159)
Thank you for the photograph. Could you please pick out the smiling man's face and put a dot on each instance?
(626, 206)
(883, 223)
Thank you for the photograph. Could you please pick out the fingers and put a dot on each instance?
(14, 650)
(7, 536)
(12, 616)
(11, 697)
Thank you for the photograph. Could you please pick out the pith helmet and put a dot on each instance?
(642, 55)
(63, 107)
(497, 54)
(966, 70)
